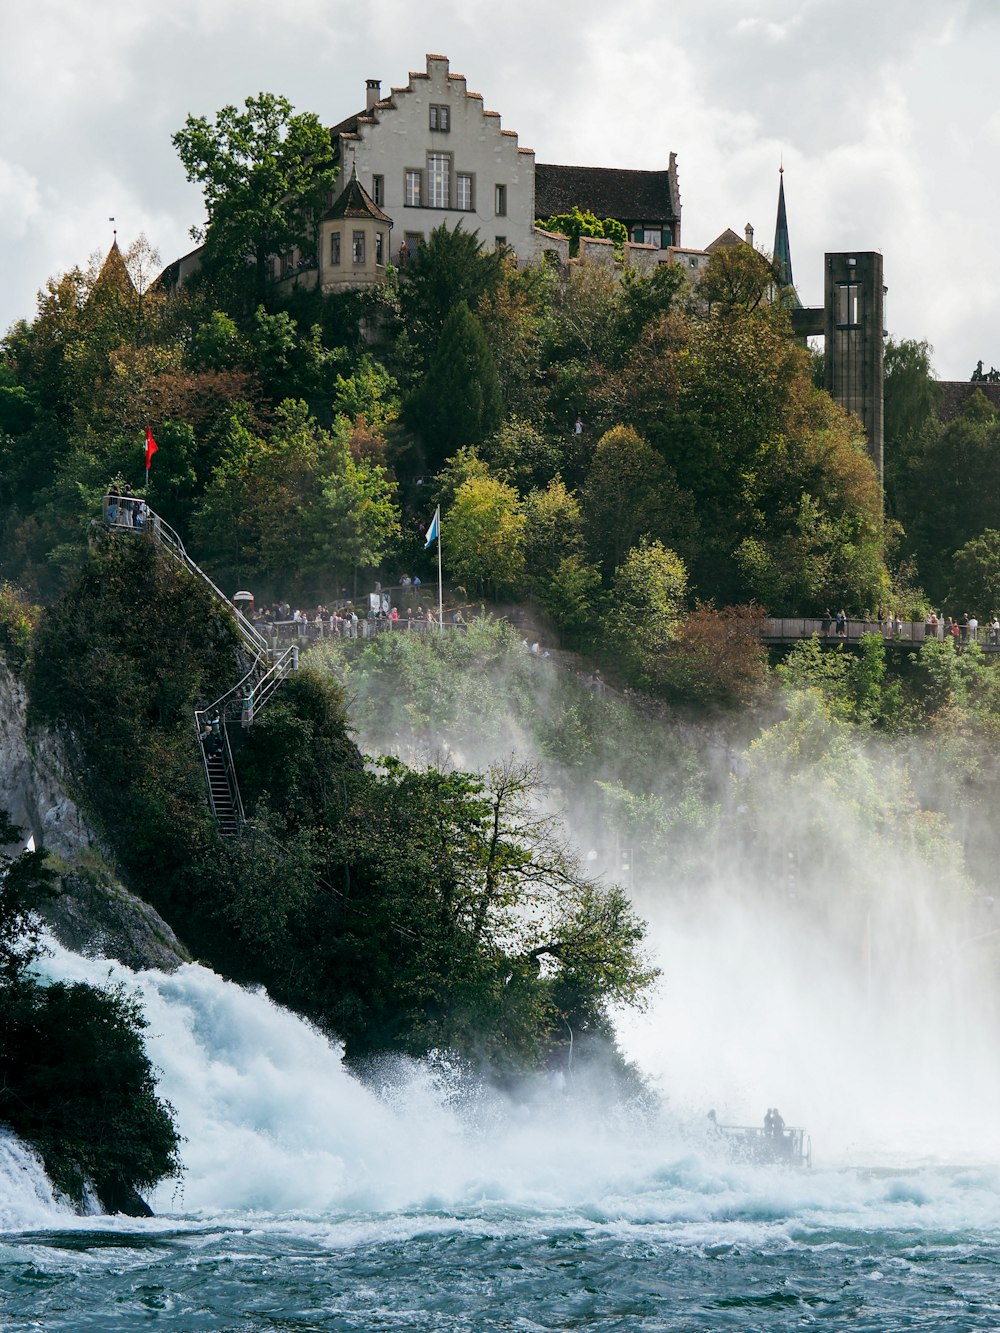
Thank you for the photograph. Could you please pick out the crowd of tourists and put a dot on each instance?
(960, 630)
(343, 621)
(965, 630)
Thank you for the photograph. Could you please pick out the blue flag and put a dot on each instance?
(434, 528)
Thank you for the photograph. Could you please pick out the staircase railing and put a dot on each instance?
(246, 698)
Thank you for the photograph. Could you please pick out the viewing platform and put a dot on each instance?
(906, 635)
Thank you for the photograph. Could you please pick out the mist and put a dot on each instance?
(822, 946)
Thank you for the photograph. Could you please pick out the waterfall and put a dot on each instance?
(274, 1122)
(26, 1196)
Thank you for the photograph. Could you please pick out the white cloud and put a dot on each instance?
(883, 114)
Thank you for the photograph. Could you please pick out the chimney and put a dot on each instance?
(748, 233)
(372, 93)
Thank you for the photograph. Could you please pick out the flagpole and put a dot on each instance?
(440, 598)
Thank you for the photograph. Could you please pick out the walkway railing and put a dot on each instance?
(270, 666)
(902, 634)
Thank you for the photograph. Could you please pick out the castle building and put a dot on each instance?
(430, 153)
(647, 203)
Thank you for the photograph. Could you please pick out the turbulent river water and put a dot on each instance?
(312, 1202)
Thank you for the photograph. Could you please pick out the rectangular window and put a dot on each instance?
(501, 243)
(849, 303)
(440, 118)
(500, 201)
(652, 237)
(439, 180)
(334, 247)
(378, 190)
(380, 249)
(464, 192)
(358, 247)
(414, 189)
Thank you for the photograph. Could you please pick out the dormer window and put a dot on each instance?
(440, 117)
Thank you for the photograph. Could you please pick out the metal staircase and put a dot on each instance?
(247, 697)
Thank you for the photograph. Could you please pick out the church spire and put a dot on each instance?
(782, 247)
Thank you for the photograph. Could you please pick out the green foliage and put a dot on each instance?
(78, 1086)
(630, 493)
(474, 890)
(458, 401)
(25, 883)
(18, 618)
(976, 575)
(482, 536)
(521, 454)
(119, 664)
(737, 278)
(75, 1081)
(266, 174)
(295, 506)
(647, 602)
(370, 392)
(451, 269)
(577, 223)
(553, 531)
(855, 688)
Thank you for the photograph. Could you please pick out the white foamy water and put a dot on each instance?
(26, 1197)
(279, 1134)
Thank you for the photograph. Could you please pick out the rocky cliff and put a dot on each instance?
(93, 913)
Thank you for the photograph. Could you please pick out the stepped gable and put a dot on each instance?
(954, 397)
(608, 192)
(353, 127)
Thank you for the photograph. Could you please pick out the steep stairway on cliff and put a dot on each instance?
(269, 667)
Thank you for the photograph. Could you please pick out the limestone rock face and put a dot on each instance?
(96, 916)
(33, 778)
(92, 914)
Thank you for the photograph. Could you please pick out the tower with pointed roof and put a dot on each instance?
(783, 250)
(353, 240)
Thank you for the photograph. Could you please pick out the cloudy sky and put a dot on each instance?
(885, 114)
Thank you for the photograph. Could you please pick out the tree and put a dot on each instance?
(452, 267)
(523, 455)
(950, 493)
(266, 174)
(736, 278)
(471, 924)
(458, 401)
(75, 1081)
(553, 531)
(577, 223)
(293, 505)
(482, 536)
(910, 396)
(646, 606)
(631, 493)
(975, 584)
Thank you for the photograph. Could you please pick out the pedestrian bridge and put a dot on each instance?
(906, 634)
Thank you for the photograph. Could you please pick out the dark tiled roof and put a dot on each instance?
(955, 394)
(348, 126)
(356, 202)
(609, 192)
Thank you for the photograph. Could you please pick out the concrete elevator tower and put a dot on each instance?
(854, 317)
(852, 323)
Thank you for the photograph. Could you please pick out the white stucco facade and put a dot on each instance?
(430, 153)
